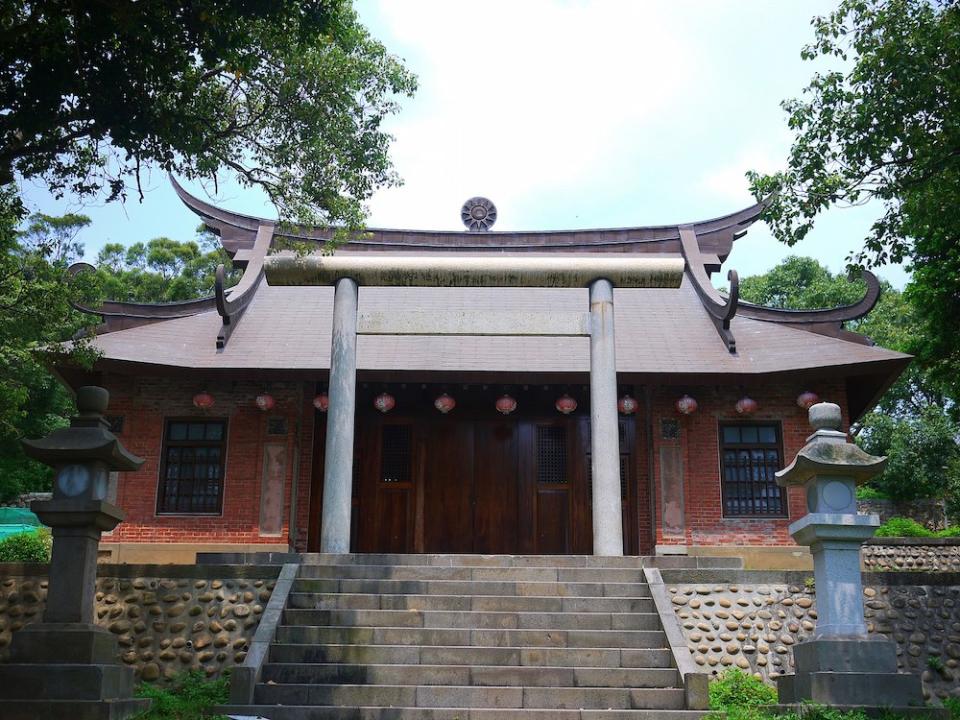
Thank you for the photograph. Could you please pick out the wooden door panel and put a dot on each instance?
(394, 512)
(553, 522)
(495, 488)
(448, 487)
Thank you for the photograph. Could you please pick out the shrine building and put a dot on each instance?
(562, 392)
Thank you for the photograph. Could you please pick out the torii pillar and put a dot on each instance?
(599, 274)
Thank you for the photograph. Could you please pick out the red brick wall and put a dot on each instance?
(146, 402)
(699, 439)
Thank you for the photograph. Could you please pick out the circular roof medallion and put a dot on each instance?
(478, 214)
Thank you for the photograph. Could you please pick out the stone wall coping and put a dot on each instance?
(915, 541)
(799, 577)
(243, 679)
(123, 570)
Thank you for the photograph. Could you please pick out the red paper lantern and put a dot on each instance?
(265, 401)
(203, 400)
(807, 399)
(506, 404)
(444, 403)
(627, 405)
(565, 404)
(686, 405)
(747, 405)
(384, 402)
(321, 402)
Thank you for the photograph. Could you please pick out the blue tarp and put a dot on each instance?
(16, 520)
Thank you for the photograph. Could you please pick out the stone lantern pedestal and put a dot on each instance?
(67, 666)
(841, 665)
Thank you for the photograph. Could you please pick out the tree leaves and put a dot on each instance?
(287, 94)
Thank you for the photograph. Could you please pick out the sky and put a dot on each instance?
(610, 113)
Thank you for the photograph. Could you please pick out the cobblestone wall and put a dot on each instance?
(754, 626)
(164, 625)
(912, 554)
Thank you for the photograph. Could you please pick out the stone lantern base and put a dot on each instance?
(66, 670)
(854, 672)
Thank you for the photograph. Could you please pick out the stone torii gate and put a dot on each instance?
(599, 274)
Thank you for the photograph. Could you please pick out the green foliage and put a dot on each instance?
(903, 527)
(736, 689)
(880, 124)
(913, 423)
(190, 697)
(924, 458)
(908, 527)
(953, 705)
(865, 492)
(162, 270)
(27, 547)
(35, 316)
(289, 95)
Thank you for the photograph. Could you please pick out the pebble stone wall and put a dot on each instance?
(911, 555)
(754, 626)
(163, 625)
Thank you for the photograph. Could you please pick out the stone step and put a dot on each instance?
(73, 709)
(487, 675)
(301, 712)
(437, 572)
(471, 587)
(466, 655)
(474, 619)
(453, 696)
(495, 603)
(339, 635)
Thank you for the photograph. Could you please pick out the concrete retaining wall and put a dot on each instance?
(167, 618)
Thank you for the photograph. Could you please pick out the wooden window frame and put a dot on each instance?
(166, 444)
(777, 445)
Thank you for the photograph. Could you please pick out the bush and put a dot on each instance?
(907, 527)
(27, 547)
(902, 527)
(736, 689)
(866, 492)
(191, 697)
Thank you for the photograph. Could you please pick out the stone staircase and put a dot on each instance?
(470, 637)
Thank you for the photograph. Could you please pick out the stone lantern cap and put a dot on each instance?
(87, 439)
(827, 452)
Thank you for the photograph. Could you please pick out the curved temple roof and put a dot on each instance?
(704, 246)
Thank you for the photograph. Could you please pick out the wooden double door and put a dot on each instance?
(497, 484)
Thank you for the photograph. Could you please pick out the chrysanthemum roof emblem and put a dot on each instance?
(478, 214)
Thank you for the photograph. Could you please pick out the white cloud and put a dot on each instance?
(552, 90)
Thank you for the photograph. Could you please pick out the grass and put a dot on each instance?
(191, 697)
(736, 695)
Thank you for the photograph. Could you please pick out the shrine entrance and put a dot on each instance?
(475, 480)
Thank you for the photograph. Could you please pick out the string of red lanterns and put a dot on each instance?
(506, 404)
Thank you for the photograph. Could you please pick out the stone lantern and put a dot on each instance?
(67, 663)
(841, 664)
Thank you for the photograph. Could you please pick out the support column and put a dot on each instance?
(604, 430)
(338, 466)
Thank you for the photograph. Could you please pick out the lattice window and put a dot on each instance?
(395, 461)
(192, 467)
(552, 454)
(750, 456)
